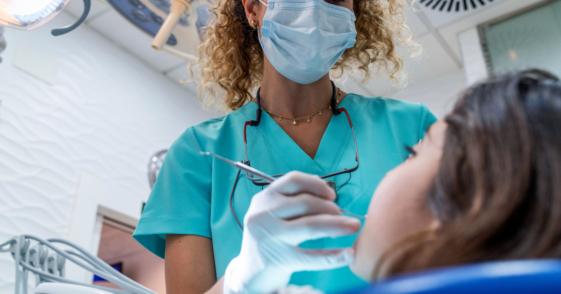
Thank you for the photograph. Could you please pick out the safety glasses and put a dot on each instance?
(261, 182)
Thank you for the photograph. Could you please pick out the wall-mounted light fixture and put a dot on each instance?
(2, 42)
(154, 166)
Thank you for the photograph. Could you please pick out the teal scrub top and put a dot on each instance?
(191, 194)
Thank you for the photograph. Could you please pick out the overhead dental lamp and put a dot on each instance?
(31, 14)
(175, 24)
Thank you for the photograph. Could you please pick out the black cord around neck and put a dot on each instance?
(258, 112)
(334, 100)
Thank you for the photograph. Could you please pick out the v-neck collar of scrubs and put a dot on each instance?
(332, 144)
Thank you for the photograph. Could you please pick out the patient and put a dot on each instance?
(484, 185)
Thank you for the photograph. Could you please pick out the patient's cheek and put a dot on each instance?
(396, 210)
(378, 229)
(398, 207)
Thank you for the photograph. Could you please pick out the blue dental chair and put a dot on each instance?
(510, 277)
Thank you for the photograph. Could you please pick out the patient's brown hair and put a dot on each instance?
(497, 194)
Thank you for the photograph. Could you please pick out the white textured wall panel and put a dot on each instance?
(104, 115)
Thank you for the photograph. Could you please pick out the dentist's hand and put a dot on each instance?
(295, 208)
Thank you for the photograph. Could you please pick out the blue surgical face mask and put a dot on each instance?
(304, 38)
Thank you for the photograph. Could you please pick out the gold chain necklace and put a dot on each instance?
(295, 119)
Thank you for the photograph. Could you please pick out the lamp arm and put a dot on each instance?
(67, 29)
(177, 10)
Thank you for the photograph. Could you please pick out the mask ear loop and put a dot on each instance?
(258, 28)
(266, 5)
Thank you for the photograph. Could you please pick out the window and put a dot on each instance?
(527, 39)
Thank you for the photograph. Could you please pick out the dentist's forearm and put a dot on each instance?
(189, 264)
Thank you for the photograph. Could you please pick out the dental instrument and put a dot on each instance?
(238, 165)
(47, 262)
(262, 175)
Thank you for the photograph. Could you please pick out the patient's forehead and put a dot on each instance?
(435, 133)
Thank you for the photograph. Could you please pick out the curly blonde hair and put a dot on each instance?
(231, 59)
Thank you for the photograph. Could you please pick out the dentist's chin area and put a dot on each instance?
(280, 146)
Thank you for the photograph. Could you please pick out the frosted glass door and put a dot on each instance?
(528, 40)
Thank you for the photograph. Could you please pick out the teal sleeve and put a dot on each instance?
(427, 119)
(180, 200)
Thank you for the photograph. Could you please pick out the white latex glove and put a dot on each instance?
(295, 208)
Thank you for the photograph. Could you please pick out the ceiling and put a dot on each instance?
(436, 33)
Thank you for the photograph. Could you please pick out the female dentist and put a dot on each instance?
(297, 121)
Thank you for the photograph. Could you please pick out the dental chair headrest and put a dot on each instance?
(512, 277)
